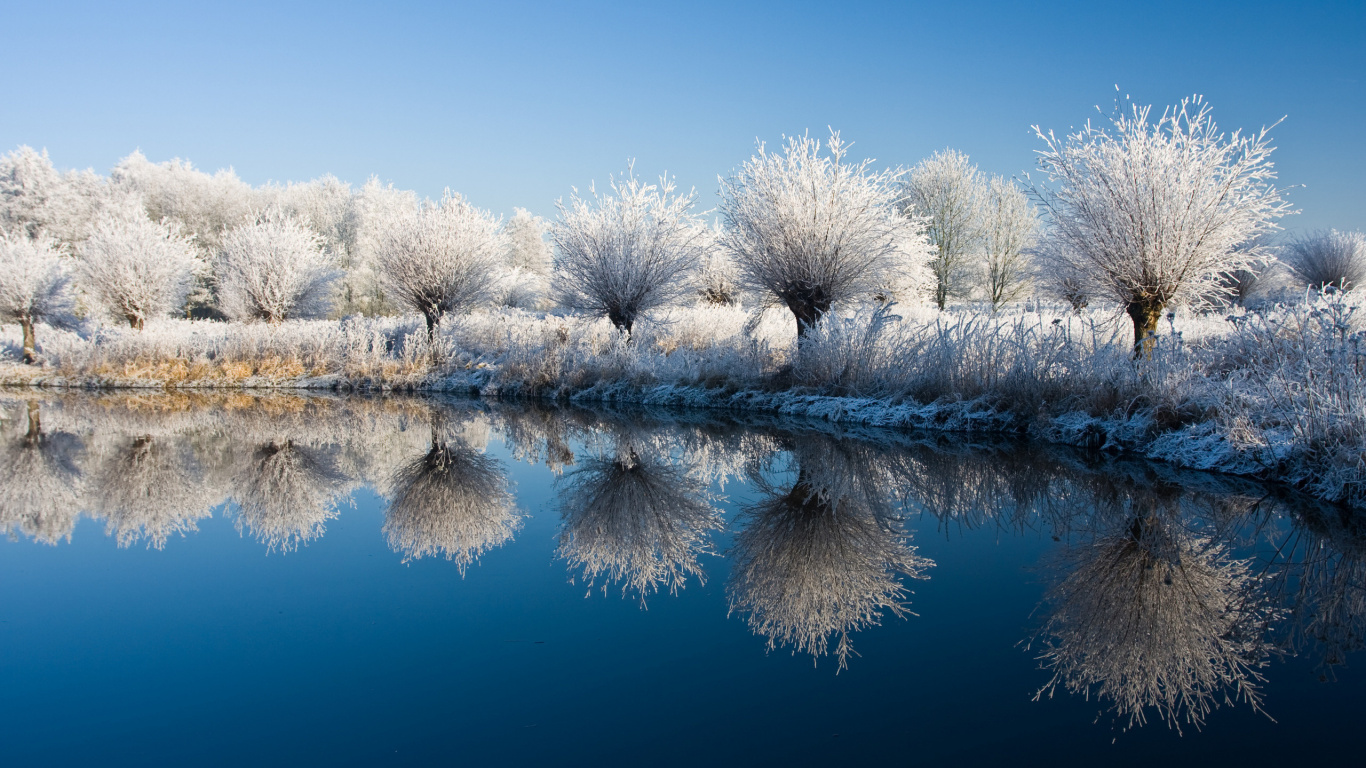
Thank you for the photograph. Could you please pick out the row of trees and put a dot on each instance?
(1144, 212)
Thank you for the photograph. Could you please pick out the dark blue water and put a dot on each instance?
(227, 647)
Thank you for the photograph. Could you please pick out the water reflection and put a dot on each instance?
(632, 516)
(40, 489)
(451, 501)
(821, 556)
(1165, 595)
(149, 487)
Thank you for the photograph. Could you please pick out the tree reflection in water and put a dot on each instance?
(452, 501)
(821, 558)
(635, 518)
(40, 487)
(1175, 586)
(1152, 615)
(286, 493)
(150, 488)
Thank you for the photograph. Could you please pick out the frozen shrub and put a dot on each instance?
(809, 230)
(1329, 259)
(35, 285)
(440, 258)
(274, 269)
(1154, 212)
(626, 252)
(134, 268)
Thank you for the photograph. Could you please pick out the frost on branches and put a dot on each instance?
(274, 269)
(440, 258)
(1325, 260)
(527, 261)
(810, 230)
(35, 286)
(626, 252)
(133, 268)
(947, 190)
(1152, 212)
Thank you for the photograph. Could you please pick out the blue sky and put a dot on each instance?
(513, 103)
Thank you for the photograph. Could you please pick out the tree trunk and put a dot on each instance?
(808, 310)
(35, 424)
(135, 322)
(433, 320)
(623, 320)
(1145, 315)
(30, 355)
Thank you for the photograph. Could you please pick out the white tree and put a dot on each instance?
(718, 280)
(527, 260)
(440, 258)
(35, 285)
(205, 205)
(1154, 211)
(134, 268)
(811, 230)
(948, 190)
(376, 207)
(1329, 259)
(35, 197)
(1009, 224)
(274, 269)
(329, 207)
(626, 252)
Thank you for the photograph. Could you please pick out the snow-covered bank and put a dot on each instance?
(1277, 394)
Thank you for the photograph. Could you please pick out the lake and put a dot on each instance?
(230, 579)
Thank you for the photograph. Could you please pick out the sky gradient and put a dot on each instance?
(513, 103)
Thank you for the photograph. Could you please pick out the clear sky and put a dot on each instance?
(513, 103)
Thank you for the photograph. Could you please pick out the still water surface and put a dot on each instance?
(230, 580)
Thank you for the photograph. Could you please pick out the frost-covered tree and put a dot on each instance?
(376, 207)
(134, 268)
(1152, 211)
(527, 260)
(36, 198)
(947, 189)
(35, 286)
(273, 268)
(1330, 259)
(809, 230)
(627, 251)
(439, 258)
(718, 280)
(1009, 225)
(205, 205)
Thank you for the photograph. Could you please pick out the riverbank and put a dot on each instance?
(1276, 395)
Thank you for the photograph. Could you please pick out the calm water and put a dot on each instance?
(235, 580)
